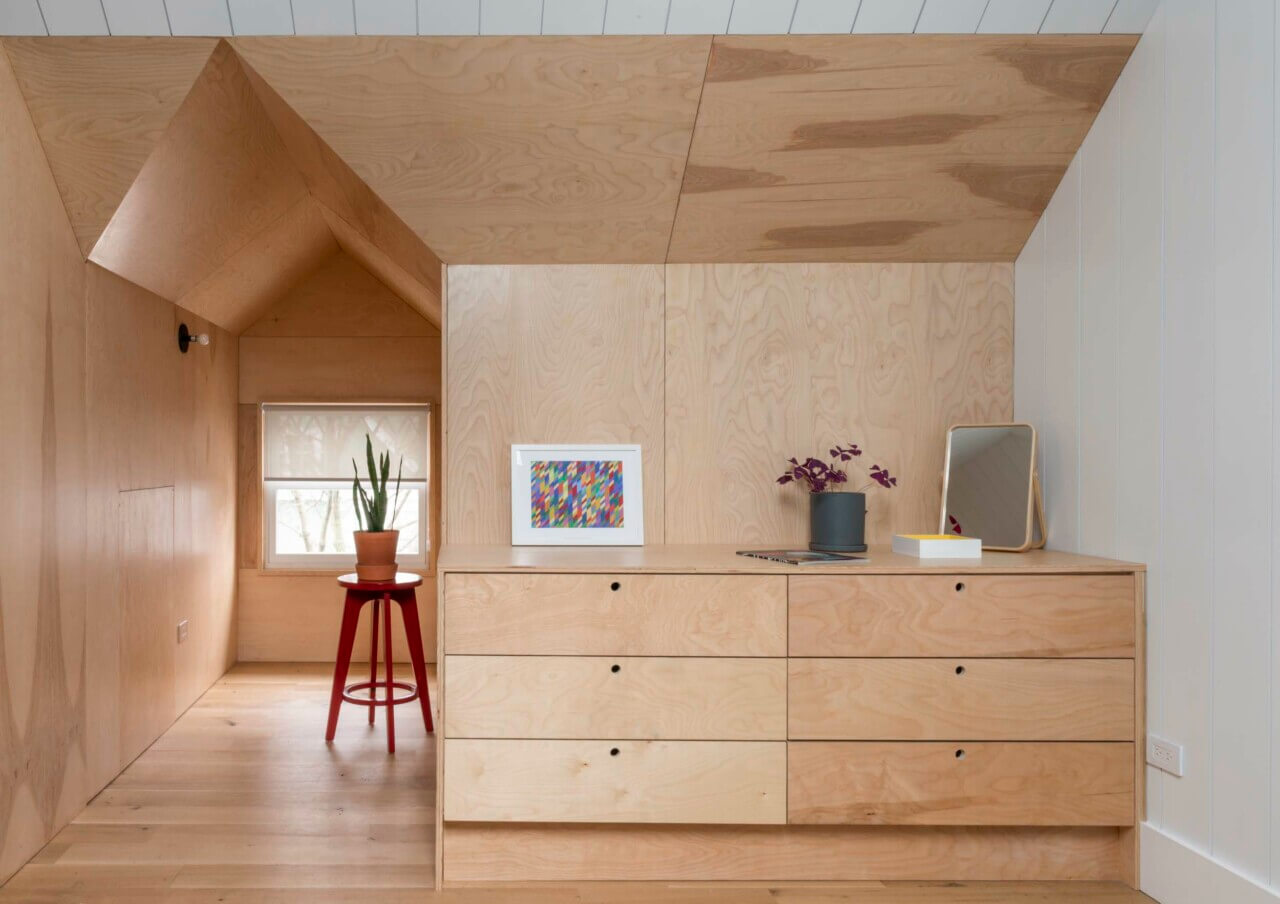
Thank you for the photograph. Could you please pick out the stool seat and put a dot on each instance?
(380, 594)
(404, 580)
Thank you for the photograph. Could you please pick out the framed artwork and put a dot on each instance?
(576, 495)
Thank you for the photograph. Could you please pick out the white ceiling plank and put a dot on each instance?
(887, 16)
(386, 17)
(74, 17)
(1130, 17)
(1013, 17)
(698, 17)
(761, 17)
(199, 17)
(573, 17)
(448, 17)
(950, 17)
(824, 17)
(136, 17)
(323, 17)
(21, 17)
(636, 17)
(261, 17)
(1077, 17)
(510, 17)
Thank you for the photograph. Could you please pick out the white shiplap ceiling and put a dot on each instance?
(520, 17)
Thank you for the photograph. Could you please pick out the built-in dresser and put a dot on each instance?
(679, 712)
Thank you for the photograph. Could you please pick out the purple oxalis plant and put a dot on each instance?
(820, 476)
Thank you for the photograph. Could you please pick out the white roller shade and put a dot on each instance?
(318, 442)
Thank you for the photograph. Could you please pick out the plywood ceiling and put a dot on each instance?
(572, 150)
(885, 148)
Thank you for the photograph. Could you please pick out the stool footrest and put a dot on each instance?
(348, 691)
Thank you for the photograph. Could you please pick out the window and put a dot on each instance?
(307, 453)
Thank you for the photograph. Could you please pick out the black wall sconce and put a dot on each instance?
(187, 338)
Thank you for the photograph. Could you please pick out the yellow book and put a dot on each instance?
(938, 546)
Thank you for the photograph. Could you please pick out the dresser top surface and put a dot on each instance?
(662, 558)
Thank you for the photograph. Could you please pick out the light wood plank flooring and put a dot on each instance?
(241, 802)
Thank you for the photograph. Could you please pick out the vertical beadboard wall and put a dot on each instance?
(1146, 351)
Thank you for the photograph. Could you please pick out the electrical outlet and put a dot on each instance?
(182, 631)
(1164, 755)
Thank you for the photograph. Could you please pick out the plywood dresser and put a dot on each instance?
(679, 712)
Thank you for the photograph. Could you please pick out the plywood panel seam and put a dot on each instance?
(684, 168)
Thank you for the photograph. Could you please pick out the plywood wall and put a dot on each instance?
(89, 666)
(340, 335)
(1147, 352)
(721, 372)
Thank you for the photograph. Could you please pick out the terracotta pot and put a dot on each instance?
(376, 554)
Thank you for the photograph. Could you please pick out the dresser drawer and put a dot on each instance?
(731, 782)
(964, 783)
(616, 615)
(975, 699)
(639, 698)
(1042, 615)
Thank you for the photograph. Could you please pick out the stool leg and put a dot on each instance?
(413, 635)
(373, 661)
(342, 664)
(391, 691)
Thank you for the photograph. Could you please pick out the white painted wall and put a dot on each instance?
(1147, 352)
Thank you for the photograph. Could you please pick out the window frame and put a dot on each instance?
(325, 562)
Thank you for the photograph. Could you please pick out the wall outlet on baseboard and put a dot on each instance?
(1164, 755)
(182, 631)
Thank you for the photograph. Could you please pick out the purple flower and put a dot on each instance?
(818, 475)
(955, 525)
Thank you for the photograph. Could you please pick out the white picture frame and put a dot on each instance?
(531, 460)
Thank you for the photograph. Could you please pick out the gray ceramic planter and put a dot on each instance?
(837, 522)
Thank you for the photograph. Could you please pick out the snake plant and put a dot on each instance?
(371, 507)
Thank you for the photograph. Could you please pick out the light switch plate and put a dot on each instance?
(182, 631)
(1164, 755)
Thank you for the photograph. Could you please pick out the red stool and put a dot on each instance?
(382, 594)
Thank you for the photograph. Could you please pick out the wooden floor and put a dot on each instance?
(242, 801)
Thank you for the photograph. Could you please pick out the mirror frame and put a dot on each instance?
(1034, 506)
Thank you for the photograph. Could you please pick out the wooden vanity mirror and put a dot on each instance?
(990, 488)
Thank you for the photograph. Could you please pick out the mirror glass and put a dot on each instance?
(987, 489)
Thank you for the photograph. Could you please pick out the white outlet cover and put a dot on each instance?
(1164, 755)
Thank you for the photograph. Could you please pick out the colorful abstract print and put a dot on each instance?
(575, 493)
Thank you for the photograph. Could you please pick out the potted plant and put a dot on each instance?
(375, 544)
(837, 520)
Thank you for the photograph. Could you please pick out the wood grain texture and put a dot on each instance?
(885, 147)
(364, 223)
(100, 106)
(551, 354)
(249, 282)
(296, 616)
(961, 783)
(221, 156)
(364, 369)
(604, 781)
(648, 615)
(768, 361)
(44, 608)
(249, 487)
(702, 558)
(567, 853)
(91, 387)
(977, 699)
(190, 823)
(505, 150)
(340, 335)
(148, 678)
(633, 698)
(340, 299)
(1086, 615)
